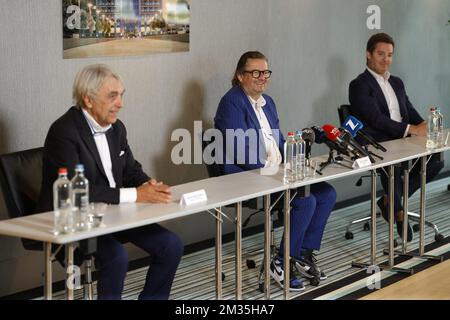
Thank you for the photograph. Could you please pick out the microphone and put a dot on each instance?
(346, 136)
(355, 127)
(309, 137)
(334, 134)
(321, 137)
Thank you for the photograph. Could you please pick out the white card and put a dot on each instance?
(362, 162)
(195, 197)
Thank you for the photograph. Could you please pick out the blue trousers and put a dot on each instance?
(433, 167)
(308, 218)
(165, 249)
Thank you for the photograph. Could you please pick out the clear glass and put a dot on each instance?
(311, 168)
(96, 214)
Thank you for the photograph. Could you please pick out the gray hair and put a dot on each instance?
(89, 80)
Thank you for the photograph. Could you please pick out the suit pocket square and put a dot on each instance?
(121, 153)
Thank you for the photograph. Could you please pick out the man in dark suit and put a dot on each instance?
(248, 112)
(90, 133)
(380, 101)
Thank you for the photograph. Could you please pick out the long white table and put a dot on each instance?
(223, 191)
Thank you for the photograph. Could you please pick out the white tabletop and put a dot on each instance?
(220, 191)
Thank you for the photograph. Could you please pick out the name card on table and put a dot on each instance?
(195, 197)
(362, 163)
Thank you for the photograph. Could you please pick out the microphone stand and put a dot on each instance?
(333, 160)
(366, 148)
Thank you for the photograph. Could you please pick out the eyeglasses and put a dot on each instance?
(257, 73)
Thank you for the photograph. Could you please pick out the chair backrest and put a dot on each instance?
(214, 169)
(20, 180)
(344, 111)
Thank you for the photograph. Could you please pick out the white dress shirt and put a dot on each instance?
(390, 96)
(273, 155)
(99, 133)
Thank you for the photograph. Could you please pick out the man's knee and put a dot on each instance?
(174, 246)
(117, 259)
(327, 193)
(304, 204)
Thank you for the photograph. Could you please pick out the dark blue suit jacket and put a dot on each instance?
(236, 112)
(369, 105)
(70, 141)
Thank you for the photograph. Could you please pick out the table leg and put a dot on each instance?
(48, 290)
(238, 242)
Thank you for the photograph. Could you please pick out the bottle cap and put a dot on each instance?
(79, 167)
(62, 171)
(298, 132)
(432, 108)
(290, 134)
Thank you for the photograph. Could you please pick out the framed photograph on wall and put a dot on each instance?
(111, 28)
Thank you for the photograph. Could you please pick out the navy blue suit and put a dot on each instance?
(309, 215)
(369, 105)
(70, 141)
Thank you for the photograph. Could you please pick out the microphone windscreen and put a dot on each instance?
(308, 135)
(352, 125)
(319, 134)
(331, 131)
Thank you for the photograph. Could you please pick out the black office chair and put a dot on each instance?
(20, 180)
(344, 111)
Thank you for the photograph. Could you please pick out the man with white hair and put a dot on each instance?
(90, 133)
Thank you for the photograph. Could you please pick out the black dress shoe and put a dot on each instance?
(410, 235)
(383, 209)
(385, 214)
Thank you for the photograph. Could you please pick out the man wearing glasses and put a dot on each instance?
(249, 112)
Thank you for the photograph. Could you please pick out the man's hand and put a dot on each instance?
(154, 192)
(419, 130)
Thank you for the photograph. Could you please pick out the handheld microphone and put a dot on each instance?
(355, 127)
(334, 134)
(309, 137)
(321, 137)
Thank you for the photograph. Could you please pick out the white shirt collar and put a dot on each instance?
(261, 102)
(95, 127)
(380, 77)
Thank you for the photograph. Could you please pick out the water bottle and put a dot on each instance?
(440, 127)
(290, 163)
(80, 198)
(432, 134)
(300, 152)
(63, 220)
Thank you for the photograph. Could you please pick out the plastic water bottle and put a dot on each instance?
(440, 127)
(290, 163)
(300, 152)
(433, 130)
(63, 220)
(80, 198)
